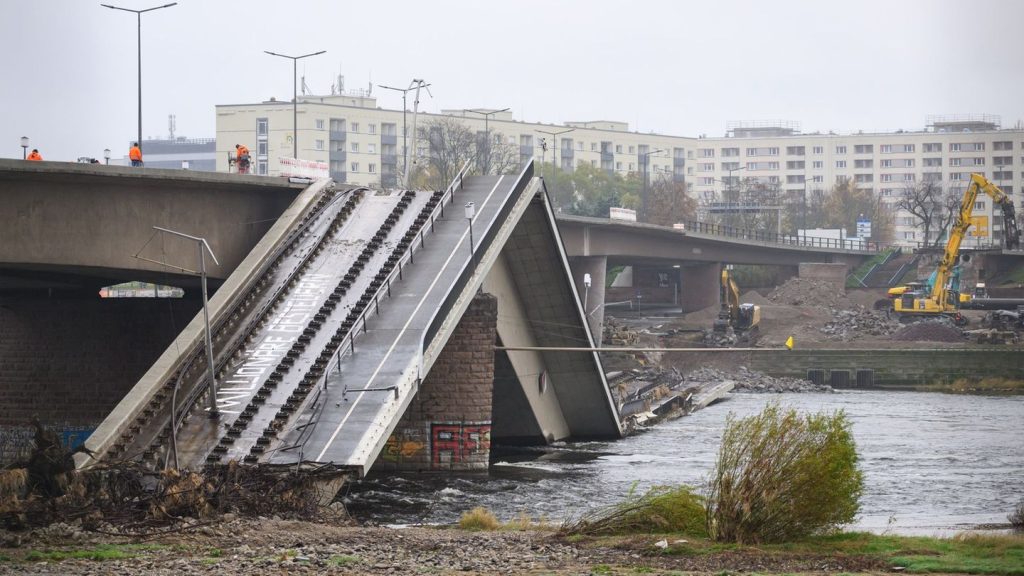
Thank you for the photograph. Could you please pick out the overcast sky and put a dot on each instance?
(683, 68)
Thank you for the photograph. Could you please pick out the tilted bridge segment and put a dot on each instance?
(365, 323)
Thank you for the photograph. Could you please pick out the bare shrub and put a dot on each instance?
(479, 518)
(1016, 517)
(781, 476)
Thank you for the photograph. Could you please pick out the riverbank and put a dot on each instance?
(269, 546)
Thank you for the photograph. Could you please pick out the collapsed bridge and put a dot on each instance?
(360, 332)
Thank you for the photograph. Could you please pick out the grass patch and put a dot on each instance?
(524, 521)
(660, 510)
(479, 518)
(987, 385)
(99, 553)
(339, 560)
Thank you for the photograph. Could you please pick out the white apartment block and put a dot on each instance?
(363, 145)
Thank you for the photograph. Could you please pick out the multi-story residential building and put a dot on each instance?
(363, 145)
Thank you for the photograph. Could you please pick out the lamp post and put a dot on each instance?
(24, 147)
(203, 247)
(645, 156)
(138, 15)
(470, 213)
(405, 133)
(295, 95)
(731, 170)
(487, 133)
(106, 155)
(554, 143)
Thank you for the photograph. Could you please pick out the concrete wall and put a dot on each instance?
(69, 362)
(447, 427)
(891, 368)
(834, 274)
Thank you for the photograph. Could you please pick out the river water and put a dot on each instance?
(932, 463)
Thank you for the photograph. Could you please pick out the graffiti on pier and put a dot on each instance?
(17, 442)
(459, 443)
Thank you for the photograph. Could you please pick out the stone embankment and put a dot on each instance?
(750, 381)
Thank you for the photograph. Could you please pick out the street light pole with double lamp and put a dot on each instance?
(138, 14)
(295, 95)
(487, 133)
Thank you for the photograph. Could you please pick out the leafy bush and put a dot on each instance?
(479, 518)
(661, 509)
(781, 476)
(1016, 517)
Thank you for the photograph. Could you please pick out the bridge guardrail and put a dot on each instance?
(786, 240)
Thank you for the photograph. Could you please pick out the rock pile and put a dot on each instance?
(938, 330)
(751, 381)
(614, 334)
(806, 292)
(859, 322)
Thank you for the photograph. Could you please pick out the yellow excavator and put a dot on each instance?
(744, 319)
(942, 297)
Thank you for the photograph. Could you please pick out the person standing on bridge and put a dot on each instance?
(242, 158)
(135, 154)
(35, 156)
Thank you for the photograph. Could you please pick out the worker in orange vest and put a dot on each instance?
(135, 154)
(242, 158)
(35, 155)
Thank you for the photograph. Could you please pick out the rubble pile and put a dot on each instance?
(938, 330)
(806, 292)
(751, 381)
(615, 334)
(858, 322)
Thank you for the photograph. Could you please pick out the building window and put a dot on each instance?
(840, 149)
(795, 165)
(354, 167)
(840, 163)
(795, 150)
(354, 127)
(372, 168)
(261, 148)
(866, 163)
(618, 148)
(319, 124)
(355, 147)
(979, 205)
(371, 128)
(932, 162)
(908, 235)
(956, 176)
(726, 166)
(954, 147)
(818, 164)
(631, 167)
(909, 177)
(319, 144)
(593, 146)
(818, 150)
(1006, 145)
(706, 167)
(632, 149)
(864, 178)
(261, 126)
(729, 152)
(261, 167)
(579, 146)
(371, 148)
(864, 149)
(933, 147)
(706, 152)
(885, 177)
(1002, 160)
(618, 166)
(954, 161)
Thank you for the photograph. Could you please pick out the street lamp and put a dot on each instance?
(138, 14)
(487, 132)
(731, 170)
(295, 96)
(470, 213)
(643, 194)
(405, 134)
(24, 147)
(554, 143)
(106, 155)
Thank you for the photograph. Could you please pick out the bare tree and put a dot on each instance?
(503, 158)
(933, 208)
(669, 203)
(452, 144)
(846, 203)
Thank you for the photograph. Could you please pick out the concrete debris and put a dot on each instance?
(937, 330)
(615, 334)
(751, 381)
(858, 322)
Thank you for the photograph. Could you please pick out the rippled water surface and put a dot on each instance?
(931, 461)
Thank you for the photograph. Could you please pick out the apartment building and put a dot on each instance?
(363, 145)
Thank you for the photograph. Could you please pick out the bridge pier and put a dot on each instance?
(447, 427)
(699, 286)
(594, 296)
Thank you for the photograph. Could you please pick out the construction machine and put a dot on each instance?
(744, 319)
(942, 296)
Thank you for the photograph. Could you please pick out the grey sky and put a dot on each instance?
(684, 68)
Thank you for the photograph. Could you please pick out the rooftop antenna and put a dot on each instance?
(305, 87)
(369, 89)
(171, 125)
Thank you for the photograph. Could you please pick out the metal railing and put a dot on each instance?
(853, 244)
